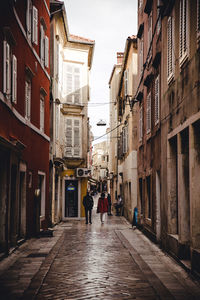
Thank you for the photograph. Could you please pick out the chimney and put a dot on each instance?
(120, 56)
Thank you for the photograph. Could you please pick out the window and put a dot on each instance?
(9, 73)
(73, 137)
(28, 99)
(42, 113)
(32, 22)
(183, 31)
(125, 139)
(198, 19)
(157, 100)
(158, 16)
(141, 124)
(141, 55)
(148, 114)
(44, 47)
(126, 83)
(72, 83)
(29, 17)
(14, 79)
(140, 3)
(150, 34)
(57, 121)
(6, 68)
(170, 48)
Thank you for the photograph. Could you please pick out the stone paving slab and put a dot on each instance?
(109, 261)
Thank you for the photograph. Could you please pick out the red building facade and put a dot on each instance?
(24, 119)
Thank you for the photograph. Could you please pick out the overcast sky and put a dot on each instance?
(109, 23)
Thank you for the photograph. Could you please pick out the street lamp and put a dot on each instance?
(101, 123)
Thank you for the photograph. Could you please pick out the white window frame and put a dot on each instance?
(159, 20)
(35, 25)
(157, 99)
(14, 79)
(150, 24)
(141, 124)
(125, 139)
(29, 18)
(183, 31)
(148, 113)
(6, 68)
(126, 73)
(44, 47)
(170, 49)
(72, 146)
(70, 91)
(42, 112)
(28, 99)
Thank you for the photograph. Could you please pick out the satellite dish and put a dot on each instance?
(101, 123)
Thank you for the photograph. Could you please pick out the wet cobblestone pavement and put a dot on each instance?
(98, 261)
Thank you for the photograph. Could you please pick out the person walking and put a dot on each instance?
(102, 206)
(88, 204)
(109, 204)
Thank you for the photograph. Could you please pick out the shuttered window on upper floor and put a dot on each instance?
(150, 35)
(9, 73)
(183, 32)
(141, 124)
(126, 83)
(141, 55)
(148, 113)
(170, 48)
(157, 100)
(44, 47)
(72, 83)
(73, 137)
(28, 99)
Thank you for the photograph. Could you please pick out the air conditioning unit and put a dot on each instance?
(82, 172)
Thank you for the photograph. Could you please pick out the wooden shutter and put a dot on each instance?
(183, 31)
(35, 25)
(141, 124)
(69, 83)
(28, 17)
(77, 85)
(46, 51)
(42, 44)
(27, 99)
(150, 33)
(14, 79)
(5, 67)
(148, 113)
(170, 48)
(158, 12)
(68, 136)
(76, 138)
(126, 82)
(141, 54)
(42, 114)
(157, 100)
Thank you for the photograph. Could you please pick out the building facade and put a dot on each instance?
(71, 64)
(127, 131)
(149, 137)
(113, 136)
(24, 120)
(180, 121)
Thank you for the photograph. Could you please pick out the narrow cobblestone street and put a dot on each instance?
(98, 261)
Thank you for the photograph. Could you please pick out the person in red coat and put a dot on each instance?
(102, 206)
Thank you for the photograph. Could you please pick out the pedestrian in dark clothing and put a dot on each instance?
(109, 204)
(88, 204)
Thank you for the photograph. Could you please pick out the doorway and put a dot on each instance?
(71, 199)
